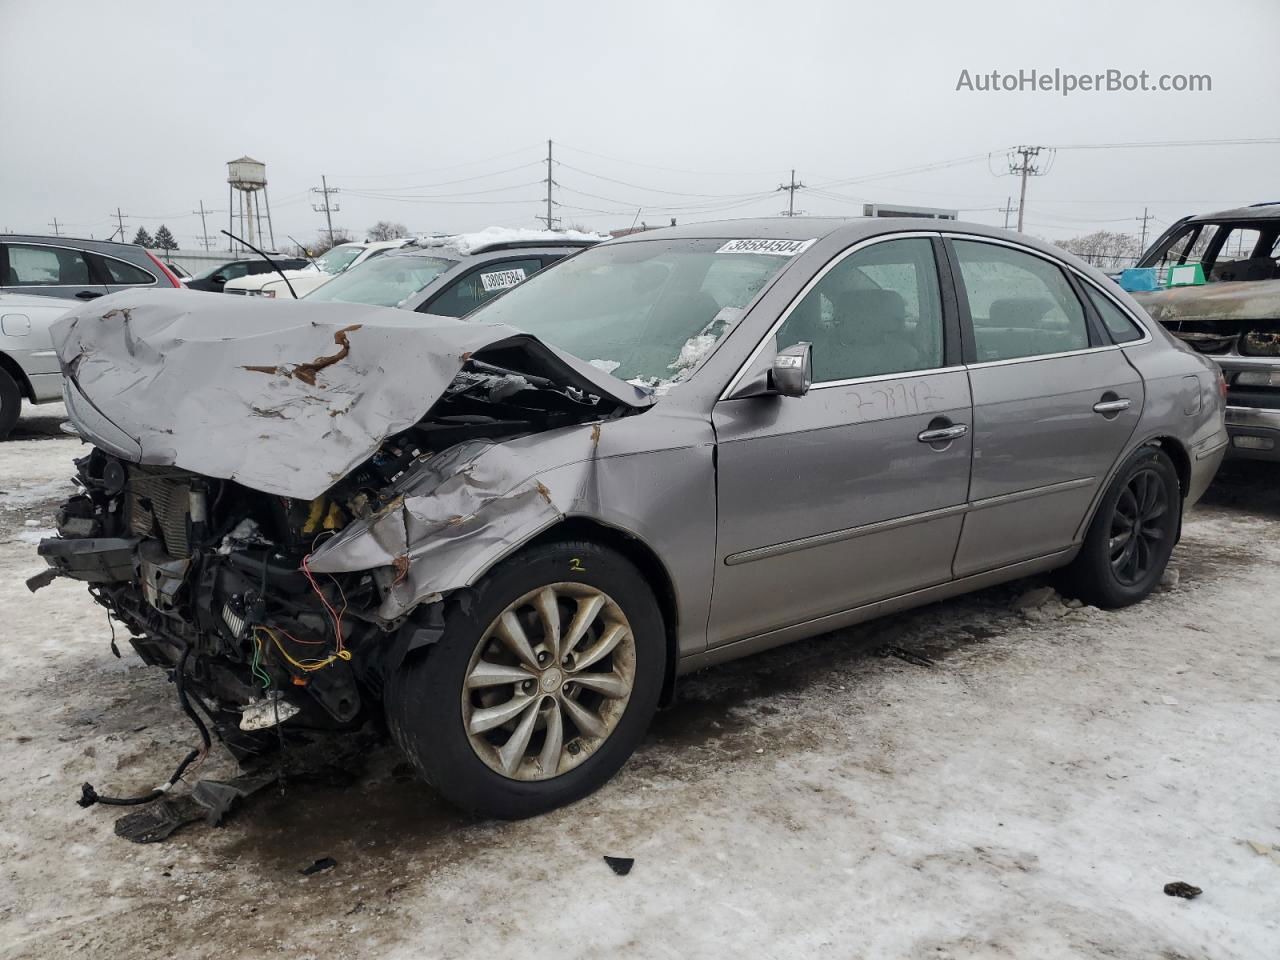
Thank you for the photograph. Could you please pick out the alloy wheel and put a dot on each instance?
(549, 681)
(1138, 526)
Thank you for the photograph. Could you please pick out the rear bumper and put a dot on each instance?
(1255, 433)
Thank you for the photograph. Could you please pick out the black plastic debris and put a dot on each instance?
(321, 865)
(158, 820)
(620, 865)
(218, 797)
(918, 659)
(1184, 890)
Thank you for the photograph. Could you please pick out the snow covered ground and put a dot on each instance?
(1026, 796)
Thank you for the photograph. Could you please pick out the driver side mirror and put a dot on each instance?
(217, 278)
(792, 371)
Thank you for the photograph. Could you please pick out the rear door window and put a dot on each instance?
(1117, 322)
(481, 285)
(1020, 305)
(117, 271)
(38, 266)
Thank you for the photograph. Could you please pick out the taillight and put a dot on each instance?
(168, 274)
(1222, 383)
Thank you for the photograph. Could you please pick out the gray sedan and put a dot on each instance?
(513, 533)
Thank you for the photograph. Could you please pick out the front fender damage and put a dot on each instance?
(466, 508)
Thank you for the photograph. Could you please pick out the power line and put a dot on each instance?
(325, 190)
(1024, 168)
(1146, 215)
(791, 189)
(1006, 210)
(119, 217)
(550, 220)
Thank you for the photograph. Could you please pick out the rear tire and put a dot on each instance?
(440, 701)
(10, 403)
(1132, 535)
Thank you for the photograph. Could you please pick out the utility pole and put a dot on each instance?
(56, 233)
(1025, 168)
(205, 239)
(549, 219)
(328, 208)
(791, 189)
(120, 222)
(1142, 244)
(1006, 210)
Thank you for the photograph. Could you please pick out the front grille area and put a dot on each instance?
(157, 500)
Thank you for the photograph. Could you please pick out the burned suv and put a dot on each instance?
(1229, 309)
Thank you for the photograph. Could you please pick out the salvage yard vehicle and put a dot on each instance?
(28, 363)
(215, 279)
(1233, 315)
(305, 277)
(509, 535)
(448, 276)
(78, 269)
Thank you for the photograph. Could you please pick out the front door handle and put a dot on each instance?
(943, 434)
(87, 295)
(1105, 407)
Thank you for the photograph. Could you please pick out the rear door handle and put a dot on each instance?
(87, 295)
(943, 434)
(1111, 406)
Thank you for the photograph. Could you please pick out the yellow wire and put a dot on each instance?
(309, 665)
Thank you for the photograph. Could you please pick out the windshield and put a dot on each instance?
(338, 259)
(644, 311)
(386, 281)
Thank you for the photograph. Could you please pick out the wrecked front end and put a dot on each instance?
(241, 551)
(1237, 324)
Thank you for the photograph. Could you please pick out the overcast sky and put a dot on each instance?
(437, 114)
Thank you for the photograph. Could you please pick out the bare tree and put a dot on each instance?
(322, 244)
(386, 230)
(1104, 248)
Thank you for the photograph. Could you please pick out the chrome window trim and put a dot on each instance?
(1043, 356)
(84, 252)
(1061, 264)
(926, 372)
(804, 292)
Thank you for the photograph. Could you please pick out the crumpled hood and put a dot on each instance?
(285, 397)
(1222, 300)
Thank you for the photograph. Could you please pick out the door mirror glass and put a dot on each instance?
(792, 370)
(217, 278)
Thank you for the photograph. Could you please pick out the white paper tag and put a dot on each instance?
(501, 279)
(1183, 275)
(777, 248)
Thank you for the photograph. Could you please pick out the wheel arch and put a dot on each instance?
(1171, 447)
(645, 558)
(10, 366)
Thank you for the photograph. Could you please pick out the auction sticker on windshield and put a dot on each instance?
(501, 279)
(778, 248)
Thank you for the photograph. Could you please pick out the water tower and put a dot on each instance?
(247, 177)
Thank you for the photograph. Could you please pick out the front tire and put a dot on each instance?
(10, 403)
(541, 686)
(1132, 535)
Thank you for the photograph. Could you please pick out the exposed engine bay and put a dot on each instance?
(211, 572)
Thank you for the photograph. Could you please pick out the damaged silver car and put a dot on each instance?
(510, 534)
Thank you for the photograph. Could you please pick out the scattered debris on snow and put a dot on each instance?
(1184, 890)
(620, 865)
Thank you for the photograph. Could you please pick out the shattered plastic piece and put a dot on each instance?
(1184, 890)
(919, 659)
(324, 863)
(219, 797)
(620, 865)
(158, 821)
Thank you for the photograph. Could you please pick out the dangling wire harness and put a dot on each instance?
(89, 796)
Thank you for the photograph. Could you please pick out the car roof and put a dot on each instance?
(58, 241)
(1255, 211)
(767, 228)
(451, 252)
